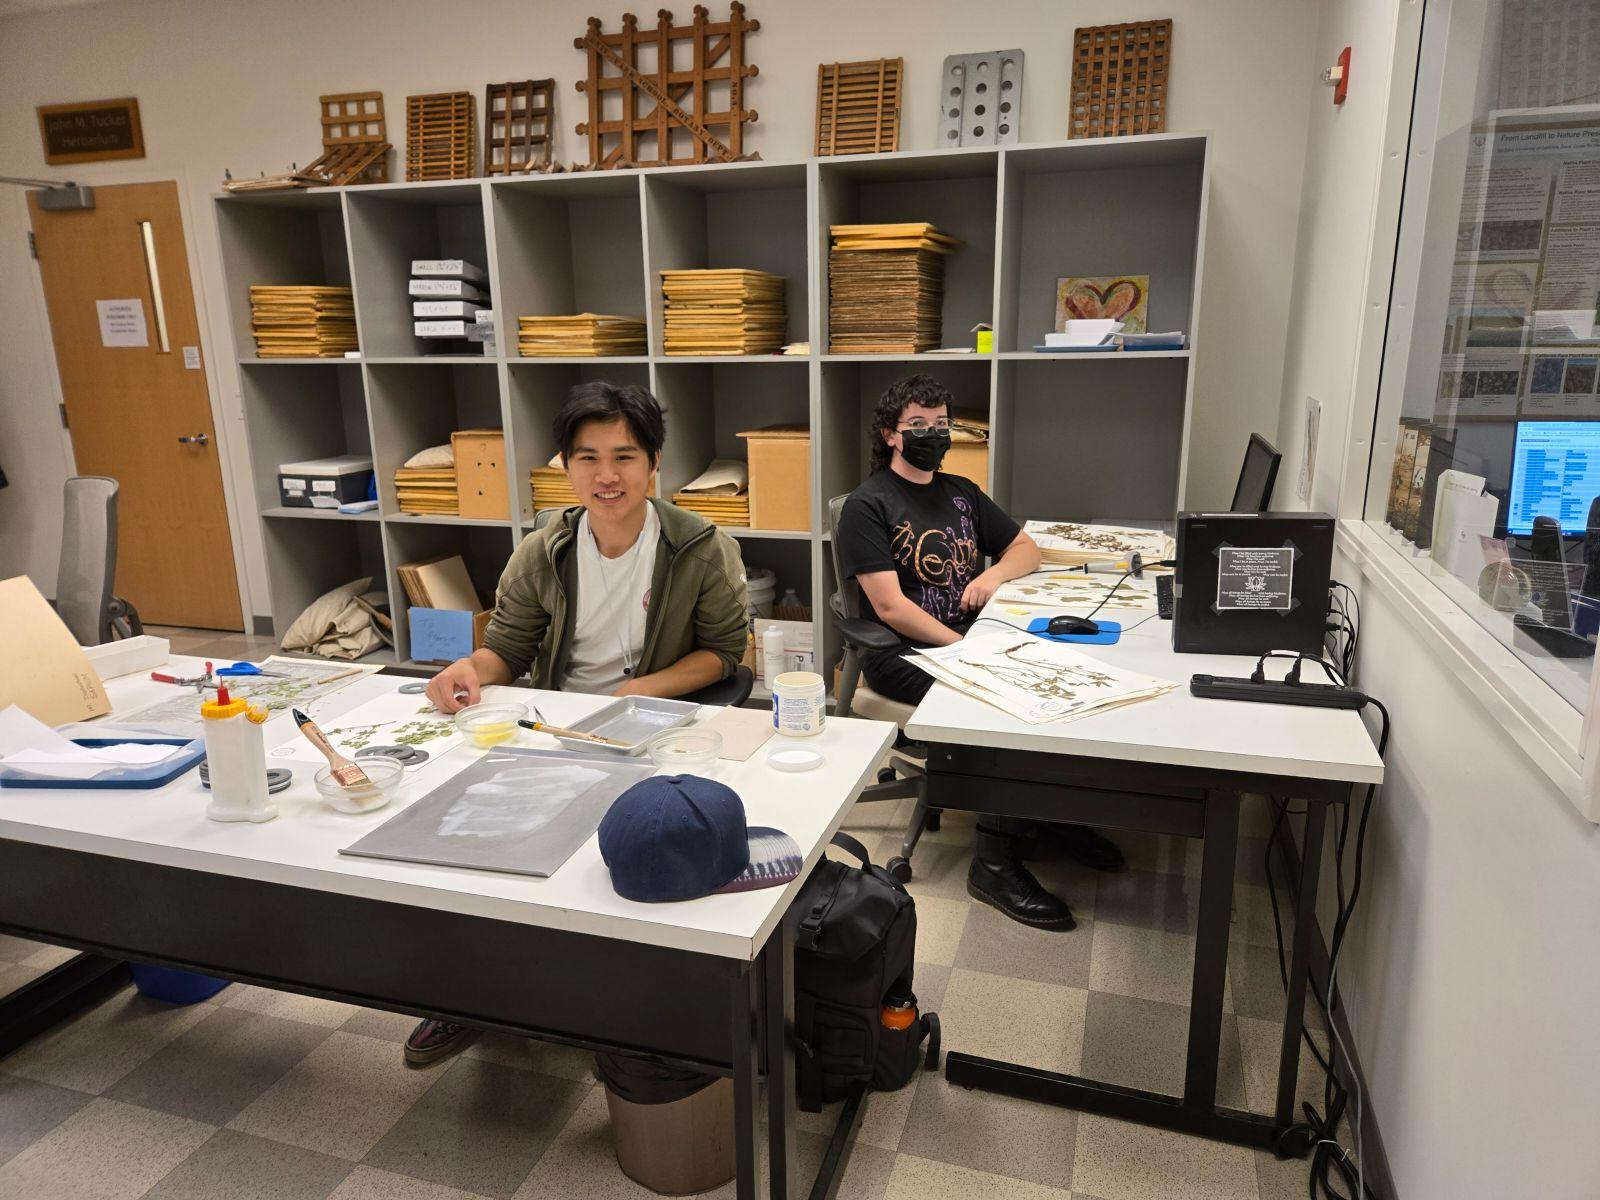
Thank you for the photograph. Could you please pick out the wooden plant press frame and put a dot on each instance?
(666, 133)
(517, 123)
(355, 140)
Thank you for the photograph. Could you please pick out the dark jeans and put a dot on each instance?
(896, 677)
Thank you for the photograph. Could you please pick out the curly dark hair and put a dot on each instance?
(924, 391)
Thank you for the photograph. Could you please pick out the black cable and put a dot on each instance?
(1331, 1169)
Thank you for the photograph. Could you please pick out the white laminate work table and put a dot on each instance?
(144, 875)
(1177, 764)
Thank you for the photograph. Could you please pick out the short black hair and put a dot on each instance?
(602, 401)
(924, 391)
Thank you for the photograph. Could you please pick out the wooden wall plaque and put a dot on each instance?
(91, 130)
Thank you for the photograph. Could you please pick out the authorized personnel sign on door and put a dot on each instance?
(122, 323)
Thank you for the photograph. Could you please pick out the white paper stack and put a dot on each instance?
(1072, 544)
(1035, 680)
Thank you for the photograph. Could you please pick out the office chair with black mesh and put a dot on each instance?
(907, 774)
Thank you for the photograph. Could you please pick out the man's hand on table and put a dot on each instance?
(459, 676)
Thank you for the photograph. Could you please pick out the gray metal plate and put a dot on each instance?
(631, 719)
(980, 99)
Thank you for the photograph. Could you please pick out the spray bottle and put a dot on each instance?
(236, 760)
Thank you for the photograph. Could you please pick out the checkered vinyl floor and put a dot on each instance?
(267, 1094)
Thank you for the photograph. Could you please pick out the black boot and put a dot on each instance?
(998, 878)
(1087, 846)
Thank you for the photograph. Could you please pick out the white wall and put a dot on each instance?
(235, 84)
(1344, 152)
(1472, 965)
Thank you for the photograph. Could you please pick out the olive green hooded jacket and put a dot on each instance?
(697, 598)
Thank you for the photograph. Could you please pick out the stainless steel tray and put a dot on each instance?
(631, 719)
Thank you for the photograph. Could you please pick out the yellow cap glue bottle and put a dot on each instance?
(236, 760)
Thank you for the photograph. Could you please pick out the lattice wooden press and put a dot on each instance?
(440, 136)
(624, 65)
(517, 120)
(1119, 79)
(355, 140)
(858, 106)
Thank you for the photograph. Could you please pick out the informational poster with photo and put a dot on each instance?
(1520, 336)
(1562, 385)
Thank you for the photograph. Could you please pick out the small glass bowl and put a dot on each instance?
(385, 774)
(486, 726)
(686, 751)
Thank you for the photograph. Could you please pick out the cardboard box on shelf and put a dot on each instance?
(970, 460)
(780, 477)
(482, 488)
(799, 653)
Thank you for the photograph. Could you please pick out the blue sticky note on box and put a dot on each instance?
(440, 634)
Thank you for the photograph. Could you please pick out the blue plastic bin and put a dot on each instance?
(175, 987)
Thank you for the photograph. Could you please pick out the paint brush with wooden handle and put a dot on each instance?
(346, 773)
(558, 731)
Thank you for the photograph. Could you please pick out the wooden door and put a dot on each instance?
(141, 413)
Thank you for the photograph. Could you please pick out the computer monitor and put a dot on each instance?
(1555, 472)
(1253, 492)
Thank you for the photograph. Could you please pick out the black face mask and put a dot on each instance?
(924, 449)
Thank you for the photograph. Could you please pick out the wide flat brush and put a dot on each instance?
(347, 774)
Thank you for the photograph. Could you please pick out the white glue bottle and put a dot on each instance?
(771, 655)
(236, 760)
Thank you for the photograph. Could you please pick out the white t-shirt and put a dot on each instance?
(613, 605)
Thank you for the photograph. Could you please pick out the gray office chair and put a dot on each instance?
(730, 692)
(88, 569)
(907, 774)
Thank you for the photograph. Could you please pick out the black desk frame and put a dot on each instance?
(1152, 798)
(719, 1015)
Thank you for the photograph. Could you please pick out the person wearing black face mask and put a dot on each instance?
(915, 540)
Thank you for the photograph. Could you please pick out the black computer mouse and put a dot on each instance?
(1073, 626)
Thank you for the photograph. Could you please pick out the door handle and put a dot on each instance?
(198, 439)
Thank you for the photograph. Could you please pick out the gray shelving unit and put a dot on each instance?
(1071, 436)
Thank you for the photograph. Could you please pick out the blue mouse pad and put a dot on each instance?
(1110, 631)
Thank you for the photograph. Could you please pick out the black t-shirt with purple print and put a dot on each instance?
(934, 536)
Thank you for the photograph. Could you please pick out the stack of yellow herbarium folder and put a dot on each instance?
(721, 494)
(551, 489)
(886, 287)
(731, 311)
(426, 484)
(582, 335)
(302, 322)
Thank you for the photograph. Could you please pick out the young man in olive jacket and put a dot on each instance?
(625, 595)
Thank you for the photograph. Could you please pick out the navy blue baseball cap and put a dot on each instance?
(679, 837)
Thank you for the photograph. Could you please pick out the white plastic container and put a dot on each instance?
(771, 655)
(798, 703)
(236, 760)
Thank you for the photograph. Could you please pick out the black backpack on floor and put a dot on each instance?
(855, 939)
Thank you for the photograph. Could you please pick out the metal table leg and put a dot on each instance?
(778, 964)
(1211, 951)
(1305, 921)
(746, 1052)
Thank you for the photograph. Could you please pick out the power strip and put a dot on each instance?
(1275, 691)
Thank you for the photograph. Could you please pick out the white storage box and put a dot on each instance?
(447, 268)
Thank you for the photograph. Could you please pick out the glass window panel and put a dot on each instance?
(1486, 463)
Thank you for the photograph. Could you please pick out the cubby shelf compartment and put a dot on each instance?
(567, 244)
(1074, 436)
